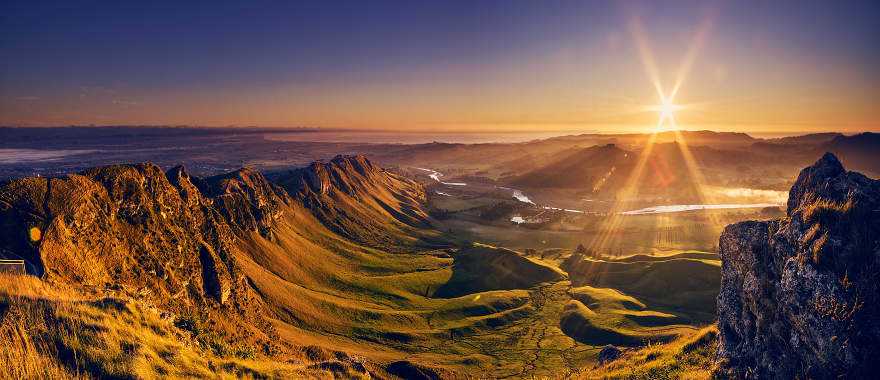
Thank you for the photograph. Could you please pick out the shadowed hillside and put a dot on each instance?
(684, 285)
(858, 152)
(587, 168)
(483, 268)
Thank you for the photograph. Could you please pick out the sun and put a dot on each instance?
(667, 109)
(666, 113)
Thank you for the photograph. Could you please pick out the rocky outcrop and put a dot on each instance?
(177, 236)
(799, 296)
(246, 199)
(227, 258)
(609, 354)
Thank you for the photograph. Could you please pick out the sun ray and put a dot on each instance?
(698, 180)
(647, 57)
(623, 199)
(691, 55)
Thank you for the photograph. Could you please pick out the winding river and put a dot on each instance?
(661, 209)
(680, 208)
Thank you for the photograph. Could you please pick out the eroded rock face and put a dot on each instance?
(167, 233)
(799, 296)
(246, 199)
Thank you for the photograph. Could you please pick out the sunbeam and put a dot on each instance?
(691, 55)
(666, 120)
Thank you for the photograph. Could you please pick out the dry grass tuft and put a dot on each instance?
(824, 211)
(689, 357)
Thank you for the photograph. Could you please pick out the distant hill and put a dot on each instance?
(810, 139)
(705, 137)
(605, 169)
(859, 152)
(586, 168)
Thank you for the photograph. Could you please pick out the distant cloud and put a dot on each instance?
(95, 91)
(126, 103)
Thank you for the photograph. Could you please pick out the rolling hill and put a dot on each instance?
(858, 152)
(587, 168)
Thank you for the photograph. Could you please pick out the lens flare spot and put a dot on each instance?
(35, 234)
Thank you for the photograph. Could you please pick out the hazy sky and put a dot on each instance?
(485, 65)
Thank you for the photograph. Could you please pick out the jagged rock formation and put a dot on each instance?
(358, 199)
(799, 296)
(246, 199)
(130, 224)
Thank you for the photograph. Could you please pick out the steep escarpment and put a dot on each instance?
(246, 199)
(359, 200)
(799, 296)
(118, 224)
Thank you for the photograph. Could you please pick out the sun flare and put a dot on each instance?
(667, 109)
(665, 114)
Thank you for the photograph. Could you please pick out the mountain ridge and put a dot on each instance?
(235, 251)
(359, 200)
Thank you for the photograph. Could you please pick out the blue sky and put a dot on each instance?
(414, 65)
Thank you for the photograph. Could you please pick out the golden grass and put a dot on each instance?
(823, 211)
(689, 357)
(50, 333)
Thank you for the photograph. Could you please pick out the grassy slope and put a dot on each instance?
(684, 284)
(607, 316)
(689, 357)
(481, 268)
(47, 332)
(329, 292)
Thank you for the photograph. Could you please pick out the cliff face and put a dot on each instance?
(799, 296)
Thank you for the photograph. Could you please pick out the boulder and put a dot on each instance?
(799, 295)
